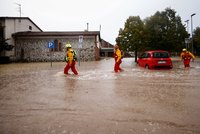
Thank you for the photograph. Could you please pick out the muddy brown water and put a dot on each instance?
(36, 98)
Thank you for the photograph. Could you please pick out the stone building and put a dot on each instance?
(31, 43)
(33, 46)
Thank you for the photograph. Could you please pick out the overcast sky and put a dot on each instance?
(73, 15)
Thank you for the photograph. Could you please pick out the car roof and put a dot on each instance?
(152, 51)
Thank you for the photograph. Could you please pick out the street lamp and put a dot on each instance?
(186, 39)
(187, 21)
(192, 31)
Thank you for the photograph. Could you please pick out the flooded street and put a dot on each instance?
(36, 98)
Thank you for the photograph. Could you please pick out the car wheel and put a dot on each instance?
(147, 67)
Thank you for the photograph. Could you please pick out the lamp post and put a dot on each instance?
(192, 31)
(187, 21)
(186, 39)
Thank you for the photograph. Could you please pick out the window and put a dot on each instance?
(30, 27)
(160, 55)
(57, 46)
(145, 55)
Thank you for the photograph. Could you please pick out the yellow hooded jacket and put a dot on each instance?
(187, 55)
(70, 56)
(118, 55)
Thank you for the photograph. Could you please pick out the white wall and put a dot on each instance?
(13, 25)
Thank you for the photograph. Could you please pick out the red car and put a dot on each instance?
(155, 59)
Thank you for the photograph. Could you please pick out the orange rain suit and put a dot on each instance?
(186, 57)
(71, 61)
(118, 60)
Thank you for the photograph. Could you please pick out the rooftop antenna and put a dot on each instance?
(20, 11)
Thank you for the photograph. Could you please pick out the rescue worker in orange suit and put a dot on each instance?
(186, 57)
(71, 59)
(118, 59)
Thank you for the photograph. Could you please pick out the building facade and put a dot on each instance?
(31, 43)
(10, 25)
(33, 46)
(107, 49)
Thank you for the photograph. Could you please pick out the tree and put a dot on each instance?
(197, 40)
(4, 46)
(130, 38)
(165, 31)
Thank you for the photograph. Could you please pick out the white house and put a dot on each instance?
(10, 25)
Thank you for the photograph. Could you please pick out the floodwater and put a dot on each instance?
(36, 98)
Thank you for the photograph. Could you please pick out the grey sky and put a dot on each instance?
(73, 15)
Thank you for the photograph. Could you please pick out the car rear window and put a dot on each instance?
(145, 55)
(160, 55)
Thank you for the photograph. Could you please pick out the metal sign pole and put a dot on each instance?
(80, 46)
(50, 46)
(51, 57)
(79, 57)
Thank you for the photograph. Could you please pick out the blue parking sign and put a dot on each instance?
(50, 44)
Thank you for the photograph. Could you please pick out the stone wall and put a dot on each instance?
(36, 49)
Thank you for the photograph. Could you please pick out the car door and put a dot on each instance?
(143, 59)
